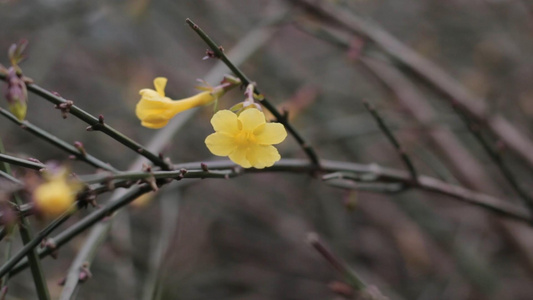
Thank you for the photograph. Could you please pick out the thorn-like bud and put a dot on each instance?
(35, 160)
(101, 119)
(204, 167)
(85, 273)
(79, 145)
(64, 107)
(62, 281)
(209, 54)
(342, 289)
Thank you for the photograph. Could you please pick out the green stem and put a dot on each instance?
(8, 266)
(219, 53)
(26, 235)
(21, 162)
(52, 139)
(390, 136)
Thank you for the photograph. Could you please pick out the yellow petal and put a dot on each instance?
(155, 124)
(220, 144)
(261, 156)
(160, 83)
(161, 106)
(199, 99)
(270, 133)
(225, 121)
(239, 157)
(251, 119)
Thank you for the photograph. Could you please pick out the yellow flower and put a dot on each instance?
(155, 110)
(55, 196)
(247, 139)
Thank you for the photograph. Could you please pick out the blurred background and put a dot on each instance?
(245, 238)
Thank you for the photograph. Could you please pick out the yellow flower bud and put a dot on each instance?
(155, 110)
(55, 196)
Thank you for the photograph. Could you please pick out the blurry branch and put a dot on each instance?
(96, 124)
(496, 157)
(460, 159)
(169, 214)
(26, 235)
(390, 136)
(409, 97)
(430, 73)
(281, 118)
(363, 291)
(59, 143)
(21, 162)
(10, 178)
(369, 173)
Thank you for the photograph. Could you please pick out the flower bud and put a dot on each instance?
(16, 94)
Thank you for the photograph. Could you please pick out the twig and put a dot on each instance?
(21, 162)
(59, 143)
(495, 156)
(169, 214)
(95, 123)
(26, 235)
(430, 73)
(219, 53)
(352, 278)
(96, 237)
(8, 266)
(390, 136)
(10, 178)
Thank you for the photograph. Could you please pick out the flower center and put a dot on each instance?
(245, 138)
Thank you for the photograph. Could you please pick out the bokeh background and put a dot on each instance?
(245, 238)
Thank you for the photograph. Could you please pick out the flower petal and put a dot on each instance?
(270, 133)
(160, 83)
(251, 119)
(220, 144)
(239, 157)
(225, 121)
(261, 156)
(155, 124)
(162, 106)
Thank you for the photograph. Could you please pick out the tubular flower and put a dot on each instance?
(55, 196)
(247, 139)
(155, 110)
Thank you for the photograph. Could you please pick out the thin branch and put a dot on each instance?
(8, 266)
(95, 123)
(59, 143)
(390, 136)
(362, 290)
(169, 206)
(26, 235)
(21, 162)
(281, 118)
(10, 178)
(498, 161)
(426, 70)
(96, 237)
